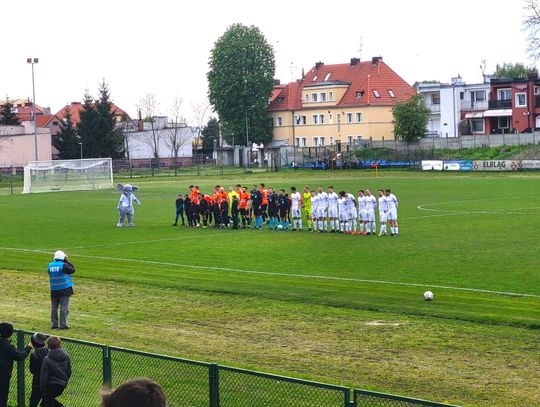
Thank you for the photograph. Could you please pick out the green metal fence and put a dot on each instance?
(190, 383)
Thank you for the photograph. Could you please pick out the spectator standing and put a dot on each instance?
(36, 361)
(136, 393)
(55, 373)
(61, 283)
(8, 355)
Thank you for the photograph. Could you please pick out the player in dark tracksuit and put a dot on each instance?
(179, 210)
(189, 210)
(272, 209)
(235, 211)
(256, 202)
(204, 209)
(284, 205)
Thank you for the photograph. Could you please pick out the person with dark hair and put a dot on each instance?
(235, 211)
(256, 202)
(36, 361)
(179, 209)
(61, 283)
(55, 373)
(8, 355)
(189, 210)
(136, 393)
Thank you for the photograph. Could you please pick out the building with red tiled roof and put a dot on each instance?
(75, 109)
(340, 103)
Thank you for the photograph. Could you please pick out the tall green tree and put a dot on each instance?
(67, 140)
(108, 134)
(210, 133)
(7, 115)
(87, 128)
(411, 119)
(511, 71)
(240, 82)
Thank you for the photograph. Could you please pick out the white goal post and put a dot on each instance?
(68, 175)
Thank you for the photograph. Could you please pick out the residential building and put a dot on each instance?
(514, 105)
(17, 144)
(456, 107)
(338, 104)
(75, 109)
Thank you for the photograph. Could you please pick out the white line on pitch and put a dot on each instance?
(304, 276)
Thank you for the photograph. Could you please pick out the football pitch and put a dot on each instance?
(335, 308)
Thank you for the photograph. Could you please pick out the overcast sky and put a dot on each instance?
(163, 47)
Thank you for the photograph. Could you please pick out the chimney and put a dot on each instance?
(140, 124)
(277, 82)
(355, 61)
(375, 60)
(318, 65)
(532, 76)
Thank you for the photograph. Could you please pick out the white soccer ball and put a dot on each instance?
(280, 227)
(428, 296)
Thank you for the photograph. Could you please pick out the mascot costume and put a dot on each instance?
(125, 204)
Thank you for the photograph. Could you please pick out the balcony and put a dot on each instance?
(500, 104)
(435, 108)
(474, 105)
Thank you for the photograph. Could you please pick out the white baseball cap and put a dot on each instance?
(59, 255)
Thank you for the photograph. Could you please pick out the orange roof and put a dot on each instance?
(75, 109)
(44, 120)
(370, 83)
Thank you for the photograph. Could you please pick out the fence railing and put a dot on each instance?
(191, 383)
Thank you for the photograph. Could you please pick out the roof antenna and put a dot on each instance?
(361, 47)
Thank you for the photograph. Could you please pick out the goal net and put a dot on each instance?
(68, 175)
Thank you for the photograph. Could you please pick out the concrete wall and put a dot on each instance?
(17, 145)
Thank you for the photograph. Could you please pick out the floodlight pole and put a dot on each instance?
(33, 61)
(81, 150)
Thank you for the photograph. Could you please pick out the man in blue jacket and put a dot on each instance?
(60, 271)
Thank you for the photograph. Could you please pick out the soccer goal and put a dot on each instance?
(68, 175)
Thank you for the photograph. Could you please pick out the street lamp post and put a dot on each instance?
(33, 61)
(81, 150)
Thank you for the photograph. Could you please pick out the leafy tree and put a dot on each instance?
(87, 127)
(531, 24)
(67, 140)
(240, 82)
(210, 133)
(108, 135)
(411, 119)
(7, 115)
(511, 71)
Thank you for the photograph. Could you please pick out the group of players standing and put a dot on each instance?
(321, 211)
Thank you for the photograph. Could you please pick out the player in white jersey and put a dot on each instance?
(296, 212)
(351, 207)
(383, 212)
(371, 203)
(343, 211)
(333, 210)
(323, 207)
(362, 212)
(392, 203)
(314, 209)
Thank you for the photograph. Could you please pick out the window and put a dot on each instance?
(435, 99)
(376, 93)
(322, 141)
(307, 98)
(477, 125)
(323, 97)
(358, 117)
(331, 140)
(297, 142)
(330, 96)
(304, 142)
(461, 95)
(504, 122)
(391, 93)
(349, 140)
(280, 99)
(279, 121)
(315, 78)
(330, 118)
(349, 117)
(521, 100)
(300, 120)
(537, 90)
(315, 141)
(315, 119)
(55, 123)
(321, 118)
(314, 97)
(359, 94)
(327, 76)
(505, 94)
(478, 96)
(358, 139)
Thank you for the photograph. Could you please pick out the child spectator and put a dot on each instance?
(55, 373)
(136, 393)
(235, 211)
(179, 210)
(8, 354)
(36, 361)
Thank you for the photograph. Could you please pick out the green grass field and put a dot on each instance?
(340, 309)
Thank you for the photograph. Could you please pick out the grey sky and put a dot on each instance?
(163, 47)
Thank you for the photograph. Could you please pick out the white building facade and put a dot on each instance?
(456, 108)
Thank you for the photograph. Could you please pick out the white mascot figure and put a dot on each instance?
(125, 204)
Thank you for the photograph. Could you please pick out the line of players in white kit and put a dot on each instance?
(328, 211)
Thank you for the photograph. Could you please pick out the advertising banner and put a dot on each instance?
(497, 165)
(432, 165)
(530, 164)
(458, 165)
